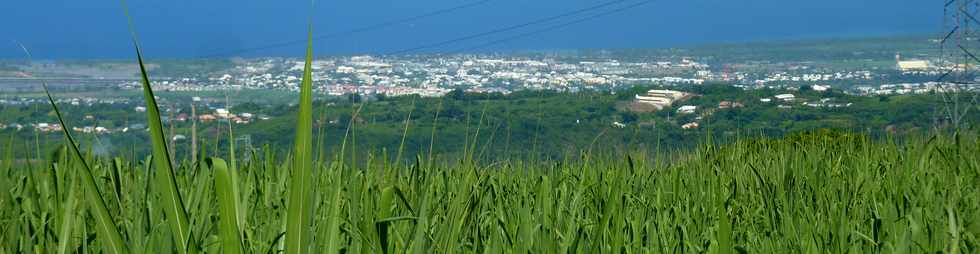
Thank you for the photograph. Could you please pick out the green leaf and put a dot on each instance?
(173, 205)
(67, 220)
(227, 206)
(724, 233)
(300, 209)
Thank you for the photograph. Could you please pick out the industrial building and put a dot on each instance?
(660, 98)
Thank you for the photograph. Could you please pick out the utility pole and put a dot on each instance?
(173, 142)
(959, 47)
(193, 132)
(231, 134)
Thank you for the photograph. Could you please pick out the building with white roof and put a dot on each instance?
(660, 98)
(689, 109)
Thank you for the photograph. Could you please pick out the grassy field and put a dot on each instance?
(821, 192)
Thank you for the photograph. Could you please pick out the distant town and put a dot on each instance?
(437, 75)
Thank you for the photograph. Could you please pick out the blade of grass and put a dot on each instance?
(234, 172)
(347, 133)
(724, 234)
(231, 146)
(471, 150)
(8, 159)
(334, 219)
(67, 219)
(435, 121)
(227, 206)
(420, 242)
(166, 177)
(401, 145)
(300, 208)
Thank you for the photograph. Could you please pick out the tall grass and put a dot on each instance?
(227, 196)
(821, 192)
(169, 193)
(299, 213)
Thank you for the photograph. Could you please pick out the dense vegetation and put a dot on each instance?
(818, 192)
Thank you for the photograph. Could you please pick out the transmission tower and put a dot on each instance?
(959, 49)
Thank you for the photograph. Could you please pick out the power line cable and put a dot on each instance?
(508, 28)
(352, 31)
(554, 27)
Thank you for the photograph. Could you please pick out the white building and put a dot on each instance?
(917, 65)
(179, 137)
(223, 113)
(786, 97)
(689, 109)
(911, 65)
(660, 98)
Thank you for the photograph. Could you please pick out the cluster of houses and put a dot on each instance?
(54, 127)
(661, 99)
(76, 101)
(827, 103)
(219, 114)
(691, 109)
(790, 98)
(15, 126)
(783, 77)
(224, 114)
(916, 88)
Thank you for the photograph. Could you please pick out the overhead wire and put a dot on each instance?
(507, 28)
(499, 30)
(349, 32)
(554, 27)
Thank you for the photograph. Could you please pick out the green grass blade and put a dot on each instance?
(231, 146)
(420, 242)
(234, 175)
(300, 210)
(334, 219)
(173, 204)
(227, 206)
(401, 146)
(724, 233)
(67, 219)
